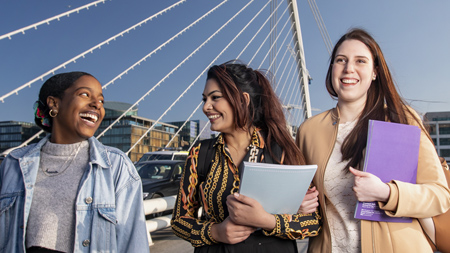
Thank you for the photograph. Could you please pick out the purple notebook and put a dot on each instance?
(392, 153)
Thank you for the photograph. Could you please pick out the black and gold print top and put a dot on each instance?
(221, 181)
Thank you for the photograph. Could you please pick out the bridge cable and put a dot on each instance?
(164, 78)
(272, 44)
(282, 73)
(163, 45)
(321, 25)
(282, 60)
(260, 28)
(279, 49)
(48, 20)
(52, 71)
(268, 35)
(179, 130)
(198, 77)
(198, 136)
(181, 127)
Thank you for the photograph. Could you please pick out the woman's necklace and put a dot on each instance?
(52, 173)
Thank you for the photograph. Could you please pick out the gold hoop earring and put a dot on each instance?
(53, 111)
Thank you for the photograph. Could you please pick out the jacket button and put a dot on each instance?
(88, 200)
(86, 243)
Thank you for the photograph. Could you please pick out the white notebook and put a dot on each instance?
(280, 189)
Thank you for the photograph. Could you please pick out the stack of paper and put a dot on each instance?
(278, 188)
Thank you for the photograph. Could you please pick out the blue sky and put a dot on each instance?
(414, 36)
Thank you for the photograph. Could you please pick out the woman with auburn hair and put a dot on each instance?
(69, 192)
(359, 78)
(240, 104)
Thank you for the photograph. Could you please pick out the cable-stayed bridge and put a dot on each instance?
(158, 61)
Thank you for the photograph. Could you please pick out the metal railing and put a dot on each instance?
(152, 206)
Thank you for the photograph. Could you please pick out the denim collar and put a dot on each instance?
(97, 151)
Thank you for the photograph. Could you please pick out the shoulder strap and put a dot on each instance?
(205, 156)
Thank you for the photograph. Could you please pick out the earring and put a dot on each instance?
(53, 111)
(374, 77)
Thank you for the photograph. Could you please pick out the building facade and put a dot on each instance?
(129, 129)
(14, 133)
(438, 124)
(191, 130)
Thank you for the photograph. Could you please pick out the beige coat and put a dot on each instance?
(429, 197)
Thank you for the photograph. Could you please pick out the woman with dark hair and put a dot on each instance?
(359, 78)
(70, 193)
(241, 105)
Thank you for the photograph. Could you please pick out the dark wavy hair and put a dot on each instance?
(264, 110)
(54, 86)
(383, 101)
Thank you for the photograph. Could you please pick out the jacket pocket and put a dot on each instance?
(108, 214)
(104, 229)
(7, 202)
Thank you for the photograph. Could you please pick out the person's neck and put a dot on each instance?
(60, 139)
(238, 139)
(349, 112)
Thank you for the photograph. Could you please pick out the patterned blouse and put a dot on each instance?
(221, 181)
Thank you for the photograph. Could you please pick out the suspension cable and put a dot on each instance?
(198, 77)
(284, 69)
(268, 35)
(286, 81)
(181, 127)
(322, 28)
(179, 130)
(276, 39)
(260, 28)
(198, 136)
(279, 49)
(289, 88)
(48, 20)
(52, 71)
(282, 60)
(165, 77)
(163, 45)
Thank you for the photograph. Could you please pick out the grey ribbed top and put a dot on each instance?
(51, 223)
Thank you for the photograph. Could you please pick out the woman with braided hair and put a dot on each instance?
(69, 192)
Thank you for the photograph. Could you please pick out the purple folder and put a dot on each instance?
(392, 153)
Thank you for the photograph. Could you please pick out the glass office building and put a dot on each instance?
(130, 128)
(14, 133)
(438, 124)
(191, 130)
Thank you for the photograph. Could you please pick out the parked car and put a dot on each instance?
(160, 178)
(164, 155)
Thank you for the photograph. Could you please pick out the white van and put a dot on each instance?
(164, 155)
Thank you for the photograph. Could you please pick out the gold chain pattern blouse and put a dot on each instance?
(221, 181)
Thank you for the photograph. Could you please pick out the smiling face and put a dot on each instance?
(352, 72)
(80, 111)
(217, 108)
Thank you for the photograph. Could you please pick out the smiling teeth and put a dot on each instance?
(93, 117)
(213, 116)
(349, 81)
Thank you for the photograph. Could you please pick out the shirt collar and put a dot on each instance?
(256, 140)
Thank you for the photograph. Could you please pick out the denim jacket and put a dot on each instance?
(109, 205)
